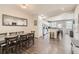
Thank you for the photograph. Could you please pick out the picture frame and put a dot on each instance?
(35, 22)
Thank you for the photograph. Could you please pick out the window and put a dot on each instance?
(52, 24)
(69, 24)
(59, 25)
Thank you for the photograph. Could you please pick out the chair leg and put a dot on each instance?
(18, 48)
(3, 50)
(32, 42)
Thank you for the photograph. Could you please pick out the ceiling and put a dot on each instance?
(45, 9)
(48, 9)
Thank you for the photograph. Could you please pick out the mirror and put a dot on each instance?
(8, 20)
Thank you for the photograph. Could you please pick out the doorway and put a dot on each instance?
(45, 31)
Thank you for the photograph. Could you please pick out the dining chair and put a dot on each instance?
(24, 41)
(2, 47)
(30, 37)
(11, 44)
(2, 43)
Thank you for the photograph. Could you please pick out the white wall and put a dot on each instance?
(41, 21)
(76, 28)
(15, 12)
(76, 25)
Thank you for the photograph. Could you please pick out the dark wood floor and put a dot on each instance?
(53, 46)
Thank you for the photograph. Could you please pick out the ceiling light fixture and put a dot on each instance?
(24, 6)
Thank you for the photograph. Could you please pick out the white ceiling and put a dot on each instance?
(46, 9)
